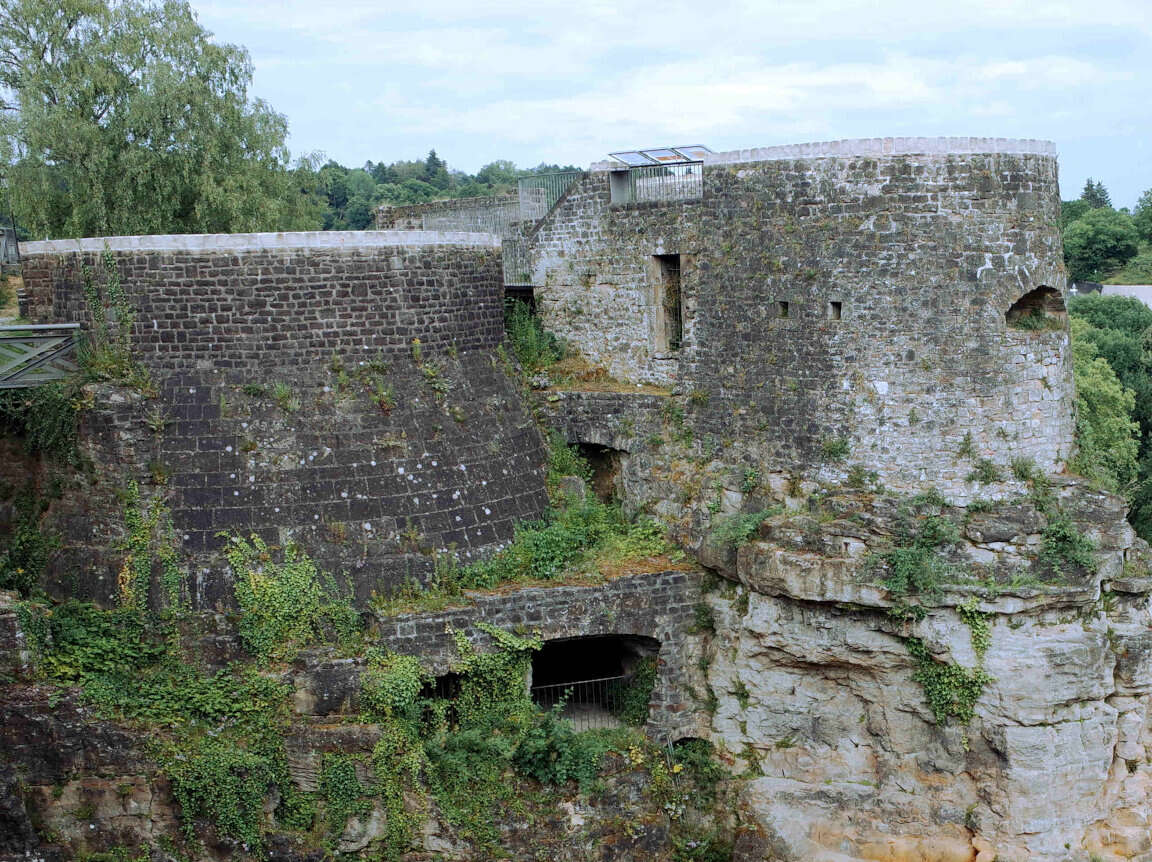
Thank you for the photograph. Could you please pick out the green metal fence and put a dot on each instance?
(658, 183)
(539, 192)
(517, 263)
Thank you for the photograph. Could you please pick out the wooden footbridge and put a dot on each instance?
(34, 355)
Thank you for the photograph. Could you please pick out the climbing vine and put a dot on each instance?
(284, 605)
(149, 541)
(952, 690)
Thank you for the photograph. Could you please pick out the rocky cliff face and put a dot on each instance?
(1000, 713)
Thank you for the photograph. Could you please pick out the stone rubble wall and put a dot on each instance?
(396, 434)
(246, 307)
(661, 605)
(924, 255)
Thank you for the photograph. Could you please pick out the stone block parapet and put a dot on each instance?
(249, 305)
(856, 147)
(334, 390)
(241, 242)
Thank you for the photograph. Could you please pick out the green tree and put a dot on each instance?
(359, 214)
(499, 175)
(123, 116)
(1072, 210)
(1142, 216)
(1107, 436)
(1098, 242)
(1117, 329)
(1095, 195)
(436, 171)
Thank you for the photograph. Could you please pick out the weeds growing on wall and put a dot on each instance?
(29, 545)
(149, 541)
(285, 605)
(736, 530)
(951, 690)
(104, 352)
(534, 347)
(633, 694)
(44, 418)
(914, 564)
(1064, 549)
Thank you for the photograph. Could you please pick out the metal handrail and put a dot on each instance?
(36, 354)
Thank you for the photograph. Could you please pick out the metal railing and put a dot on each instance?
(539, 192)
(33, 355)
(477, 215)
(658, 183)
(590, 704)
(517, 263)
(9, 247)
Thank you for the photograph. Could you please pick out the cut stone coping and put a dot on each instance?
(856, 147)
(350, 240)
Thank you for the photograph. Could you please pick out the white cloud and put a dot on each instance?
(538, 80)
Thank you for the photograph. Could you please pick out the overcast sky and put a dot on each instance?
(538, 81)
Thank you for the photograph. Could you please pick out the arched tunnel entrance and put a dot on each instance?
(602, 681)
(605, 464)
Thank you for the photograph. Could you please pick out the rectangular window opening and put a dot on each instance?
(671, 328)
(781, 308)
(835, 309)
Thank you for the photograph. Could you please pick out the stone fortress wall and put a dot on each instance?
(339, 390)
(900, 261)
(852, 291)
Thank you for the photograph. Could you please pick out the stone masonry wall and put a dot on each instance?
(661, 605)
(343, 397)
(243, 304)
(923, 255)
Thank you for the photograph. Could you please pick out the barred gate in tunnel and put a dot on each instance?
(598, 679)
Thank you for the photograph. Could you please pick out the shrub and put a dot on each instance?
(1063, 547)
(217, 779)
(44, 418)
(390, 688)
(29, 546)
(283, 606)
(552, 752)
(735, 530)
(534, 347)
(835, 448)
(915, 565)
(985, 472)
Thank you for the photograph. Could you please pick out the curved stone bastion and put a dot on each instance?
(340, 390)
(835, 303)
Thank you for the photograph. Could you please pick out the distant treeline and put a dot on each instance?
(350, 195)
(126, 117)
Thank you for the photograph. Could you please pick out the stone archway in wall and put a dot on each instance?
(1040, 308)
(602, 680)
(605, 463)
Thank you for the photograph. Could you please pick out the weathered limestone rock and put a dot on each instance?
(817, 690)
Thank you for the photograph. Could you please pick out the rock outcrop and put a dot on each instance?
(858, 747)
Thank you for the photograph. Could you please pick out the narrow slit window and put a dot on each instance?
(782, 308)
(835, 310)
(669, 309)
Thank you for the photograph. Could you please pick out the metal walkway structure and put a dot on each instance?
(35, 355)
